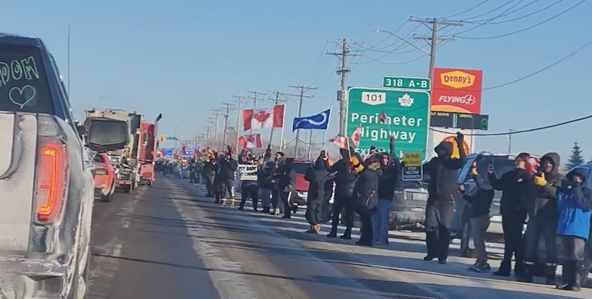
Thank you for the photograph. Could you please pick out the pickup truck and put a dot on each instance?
(46, 184)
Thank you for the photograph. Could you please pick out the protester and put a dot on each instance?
(514, 185)
(264, 173)
(480, 197)
(276, 204)
(391, 169)
(317, 178)
(574, 203)
(542, 220)
(287, 186)
(344, 178)
(249, 188)
(225, 178)
(365, 195)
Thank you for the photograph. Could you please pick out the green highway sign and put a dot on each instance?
(171, 138)
(407, 115)
(407, 83)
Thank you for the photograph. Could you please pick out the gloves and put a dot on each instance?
(461, 188)
(474, 169)
(539, 179)
(490, 168)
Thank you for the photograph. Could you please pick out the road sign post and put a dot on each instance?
(406, 83)
(406, 118)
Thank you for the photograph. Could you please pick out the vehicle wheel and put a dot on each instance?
(149, 183)
(108, 197)
(127, 188)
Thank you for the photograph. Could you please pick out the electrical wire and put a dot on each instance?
(466, 10)
(319, 61)
(571, 121)
(491, 19)
(564, 58)
(524, 29)
(490, 11)
(375, 47)
(520, 17)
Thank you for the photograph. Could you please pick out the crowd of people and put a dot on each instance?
(554, 207)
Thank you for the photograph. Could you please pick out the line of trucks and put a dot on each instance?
(134, 164)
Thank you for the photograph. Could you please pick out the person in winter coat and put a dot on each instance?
(286, 186)
(276, 202)
(249, 189)
(542, 220)
(391, 169)
(317, 177)
(440, 206)
(225, 178)
(514, 185)
(344, 178)
(574, 201)
(480, 197)
(209, 171)
(366, 196)
(264, 173)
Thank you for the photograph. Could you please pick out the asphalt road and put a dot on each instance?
(168, 241)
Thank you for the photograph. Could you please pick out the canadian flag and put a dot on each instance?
(250, 141)
(263, 118)
(339, 141)
(355, 137)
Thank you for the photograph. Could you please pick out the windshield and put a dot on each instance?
(108, 132)
(501, 164)
(301, 168)
(23, 81)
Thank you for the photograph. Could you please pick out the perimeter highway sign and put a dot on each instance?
(407, 114)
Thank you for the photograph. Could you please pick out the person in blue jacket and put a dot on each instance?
(574, 202)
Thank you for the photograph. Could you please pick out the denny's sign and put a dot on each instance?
(457, 90)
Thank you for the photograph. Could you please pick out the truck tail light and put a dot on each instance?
(51, 179)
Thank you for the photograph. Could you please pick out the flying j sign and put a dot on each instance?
(457, 90)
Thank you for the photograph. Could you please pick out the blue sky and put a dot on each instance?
(183, 58)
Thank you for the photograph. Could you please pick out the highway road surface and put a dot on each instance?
(168, 241)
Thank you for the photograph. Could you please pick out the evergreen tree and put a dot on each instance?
(575, 158)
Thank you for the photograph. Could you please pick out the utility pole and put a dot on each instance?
(303, 90)
(276, 101)
(217, 114)
(239, 103)
(255, 98)
(342, 71)
(225, 114)
(434, 24)
(510, 141)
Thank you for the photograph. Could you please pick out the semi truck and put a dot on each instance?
(147, 152)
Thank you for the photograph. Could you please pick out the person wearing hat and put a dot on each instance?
(344, 178)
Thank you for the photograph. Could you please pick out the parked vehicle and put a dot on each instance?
(45, 226)
(104, 177)
(147, 151)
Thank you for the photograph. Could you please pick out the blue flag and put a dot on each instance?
(314, 122)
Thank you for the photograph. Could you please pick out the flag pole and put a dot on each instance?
(282, 132)
(326, 130)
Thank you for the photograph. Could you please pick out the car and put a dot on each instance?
(46, 180)
(104, 177)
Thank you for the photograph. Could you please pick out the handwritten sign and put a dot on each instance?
(413, 170)
(23, 86)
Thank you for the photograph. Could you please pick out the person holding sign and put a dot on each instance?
(391, 169)
(442, 170)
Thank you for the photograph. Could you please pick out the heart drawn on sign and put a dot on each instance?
(262, 116)
(21, 96)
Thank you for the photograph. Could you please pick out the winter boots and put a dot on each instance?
(573, 273)
(314, 229)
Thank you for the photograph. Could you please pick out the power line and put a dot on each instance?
(514, 132)
(489, 11)
(342, 71)
(434, 39)
(564, 58)
(489, 20)
(527, 28)
(303, 90)
(517, 18)
(466, 10)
